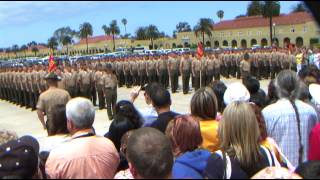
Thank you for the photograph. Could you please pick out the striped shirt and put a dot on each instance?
(282, 127)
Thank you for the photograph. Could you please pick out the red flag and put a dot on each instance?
(200, 50)
(52, 64)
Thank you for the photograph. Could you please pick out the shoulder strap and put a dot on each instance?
(269, 156)
(226, 164)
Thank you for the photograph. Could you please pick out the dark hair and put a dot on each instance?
(252, 84)
(246, 56)
(127, 109)
(161, 98)
(272, 92)
(309, 170)
(288, 86)
(219, 89)
(259, 98)
(150, 152)
(304, 93)
(59, 120)
(204, 104)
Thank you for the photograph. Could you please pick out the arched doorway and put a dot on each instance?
(216, 44)
(186, 45)
(253, 42)
(234, 43)
(286, 42)
(264, 42)
(208, 44)
(275, 42)
(174, 45)
(225, 43)
(299, 42)
(243, 43)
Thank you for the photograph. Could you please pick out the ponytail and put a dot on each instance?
(301, 148)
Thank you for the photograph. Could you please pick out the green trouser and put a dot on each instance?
(111, 100)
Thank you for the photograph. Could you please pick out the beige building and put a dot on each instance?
(296, 28)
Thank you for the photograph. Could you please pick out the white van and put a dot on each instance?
(139, 50)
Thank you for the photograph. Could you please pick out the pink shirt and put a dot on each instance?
(314, 150)
(83, 158)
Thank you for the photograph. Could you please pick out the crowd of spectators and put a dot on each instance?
(235, 131)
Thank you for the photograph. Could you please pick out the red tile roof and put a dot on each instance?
(259, 21)
(96, 39)
(38, 46)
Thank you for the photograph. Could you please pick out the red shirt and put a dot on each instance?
(314, 149)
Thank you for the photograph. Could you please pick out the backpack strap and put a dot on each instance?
(270, 156)
(226, 164)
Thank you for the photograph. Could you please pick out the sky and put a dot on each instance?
(23, 22)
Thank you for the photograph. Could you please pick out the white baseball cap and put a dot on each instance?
(315, 92)
(236, 92)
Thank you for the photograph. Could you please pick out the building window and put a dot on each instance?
(240, 33)
(249, 33)
(221, 34)
(230, 33)
(259, 33)
(305, 29)
(292, 29)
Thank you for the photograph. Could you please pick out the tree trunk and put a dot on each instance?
(114, 44)
(125, 29)
(87, 44)
(271, 38)
(203, 39)
(67, 50)
(152, 43)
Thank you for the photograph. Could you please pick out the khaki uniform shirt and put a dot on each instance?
(51, 98)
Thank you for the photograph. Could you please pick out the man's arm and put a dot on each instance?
(41, 118)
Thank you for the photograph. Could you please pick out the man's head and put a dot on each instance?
(309, 170)
(149, 154)
(80, 114)
(161, 98)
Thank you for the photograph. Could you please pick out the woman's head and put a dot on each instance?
(272, 91)
(204, 104)
(184, 133)
(288, 85)
(127, 109)
(59, 120)
(219, 89)
(239, 133)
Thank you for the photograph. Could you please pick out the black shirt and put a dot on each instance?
(163, 120)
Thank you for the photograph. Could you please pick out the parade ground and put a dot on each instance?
(25, 122)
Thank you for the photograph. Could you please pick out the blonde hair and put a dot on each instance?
(6, 136)
(239, 134)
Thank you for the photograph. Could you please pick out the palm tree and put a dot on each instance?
(220, 14)
(300, 7)
(204, 26)
(85, 32)
(113, 30)
(53, 43)
(270, 9)
(124, 22)
(66, 41)
(141, 33)
(35, 50)
(152, 33)
(15, 49)
(24, 48)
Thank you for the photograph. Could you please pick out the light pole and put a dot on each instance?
(274, 33)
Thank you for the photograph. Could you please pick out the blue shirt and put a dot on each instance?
(282, 126)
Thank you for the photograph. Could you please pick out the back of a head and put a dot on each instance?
(150, 153)
(253, 85)
(118, 128)
(288, 85)
(59, 120)
(239, 133)
(127, 109)
(204, 104)
(309, 170)
(185, 134)
(161, 98)
(219, 89)
(80, 112)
